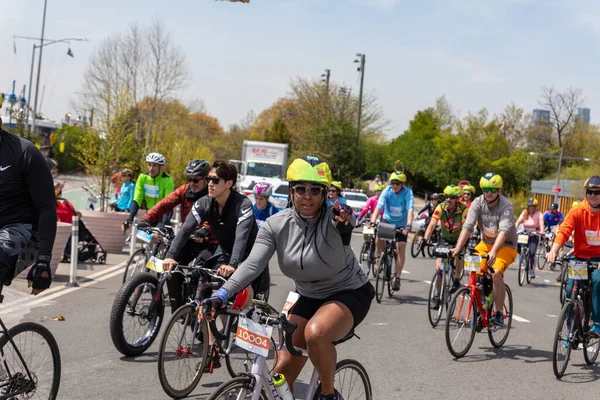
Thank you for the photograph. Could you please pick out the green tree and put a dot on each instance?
(68, 138)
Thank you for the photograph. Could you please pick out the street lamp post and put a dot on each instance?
(361, 69)
(325, 78)
(37, 85)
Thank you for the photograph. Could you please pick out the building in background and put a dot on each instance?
(540, 116)
(583, 114)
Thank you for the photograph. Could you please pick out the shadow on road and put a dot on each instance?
(526, 354)
(592, 374)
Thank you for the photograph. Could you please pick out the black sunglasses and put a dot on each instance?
(332, 190)
(214, 179)
(592, 192)
(301, 190)
(195, 180)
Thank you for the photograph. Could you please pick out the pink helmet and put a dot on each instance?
(262, 189)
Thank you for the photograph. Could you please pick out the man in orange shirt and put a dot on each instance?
(584, 222)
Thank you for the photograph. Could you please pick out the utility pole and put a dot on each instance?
(325, 78)
(37, 85)
(360, 69)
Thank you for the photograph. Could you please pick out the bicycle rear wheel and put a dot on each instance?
(436, 315)
(133, 326)
(40, 352)
(563, 339)
(351, 381)
(541, 256)
(522, 268)
(391, 261)
(417, 244)
(563, 285)
(380, 277)
(461, 322)
(365, 252)
(183, 352)
(499, 334)
(241, 388)
(136, 264)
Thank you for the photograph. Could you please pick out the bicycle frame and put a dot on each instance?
(475, 296)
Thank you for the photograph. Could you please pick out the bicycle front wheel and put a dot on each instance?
(240, 388)
(380, 277)
(136, 264)
(40, 352)
(541, 256)
(499, 334)
(351, 381)
(563, 339)
(435, 314)
(417, 244)
(364, 259)
(563, 285)
(183, 352)
(522, 269)
(461, 323)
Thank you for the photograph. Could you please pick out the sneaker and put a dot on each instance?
(497, 319)
(531, 276)
(335, 396)
(594, 331)
(396, 284)
(435, 302)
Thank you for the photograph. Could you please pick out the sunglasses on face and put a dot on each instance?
(332, 190)
(214, 179)
(593, 192)
(195, 180)
(493, 191)
(467, 193)
(313, 190)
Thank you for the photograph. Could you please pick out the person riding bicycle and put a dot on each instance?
(532, 219)
(397, 203)
(583, 222)
(184, 196)
(431, 205)
(335, 294)
(335, 193)
(452, 215)
(151, 187)
(27, 212)
(553, 218)
(494, 215)
(263, 208)
(371, 203)
(468, 193)
(126, 192)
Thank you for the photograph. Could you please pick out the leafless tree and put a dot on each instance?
(514, 124)
(563, 107)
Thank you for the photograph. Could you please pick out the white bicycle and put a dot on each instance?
(351, 379)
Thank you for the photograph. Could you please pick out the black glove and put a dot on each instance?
(143, 225)
(35, 278)
(126, 224)
(212, 303)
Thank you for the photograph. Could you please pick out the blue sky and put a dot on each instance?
(478, 53)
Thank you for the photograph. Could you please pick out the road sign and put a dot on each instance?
(556, 189)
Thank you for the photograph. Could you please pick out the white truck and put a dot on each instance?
(263, 162)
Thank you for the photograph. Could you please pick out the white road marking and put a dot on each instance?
(427, 282)
(520, 319)
(95, 278)
(552, 316)
(378, 323)
(405, 271)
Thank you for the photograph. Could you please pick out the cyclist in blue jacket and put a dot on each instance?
(263, 208)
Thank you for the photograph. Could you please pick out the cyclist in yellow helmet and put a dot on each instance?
(494, 215)
(468, 194)
(335, 193)
(312, 242)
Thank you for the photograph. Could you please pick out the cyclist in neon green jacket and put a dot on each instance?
(151, 187)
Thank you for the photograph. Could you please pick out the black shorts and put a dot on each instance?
(400, 237)
(358, 302)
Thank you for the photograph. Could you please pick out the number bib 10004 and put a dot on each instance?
(253, 337)
(578, 270)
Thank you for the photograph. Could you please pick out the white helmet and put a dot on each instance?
(156, 158)
(262, 189)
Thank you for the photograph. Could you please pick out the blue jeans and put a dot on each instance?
(595, 294)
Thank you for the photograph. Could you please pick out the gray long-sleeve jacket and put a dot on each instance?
(315, 253)
(492, 221)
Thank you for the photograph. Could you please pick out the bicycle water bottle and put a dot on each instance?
(489, 299)
(282, 387)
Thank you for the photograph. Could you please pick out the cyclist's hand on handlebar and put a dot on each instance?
(226, 271)
(169, 264)
(551, 257)
(491, 258)
(207, 311)
(406, 230)
(455, 252)
(143, 224)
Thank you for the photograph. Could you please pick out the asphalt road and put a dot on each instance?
(404, 356)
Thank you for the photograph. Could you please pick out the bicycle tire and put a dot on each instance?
(521, 277)
(192, 347)
(237, 384)
(463, 296)
(528, 269)
(372, 257)
(590, 352)
(150, 321)
(380, 277)
(364, 257)
(340, 367)
(430, 248)
(563, 285)
(133, 266)
(417, 244)
(389, 276)
(15, 365)
(508, 314)
(541, 256)
(435, 315)
(559, 368)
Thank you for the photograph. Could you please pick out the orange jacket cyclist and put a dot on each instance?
(584, 222)
(452, 215)
(494, 215)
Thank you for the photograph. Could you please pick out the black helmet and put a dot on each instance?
(197, 168)
(554, 206)
(435, 196)
(593, 182)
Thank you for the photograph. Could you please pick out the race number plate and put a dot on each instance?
(144, 236)
(523, 239)
(578, 270)
(155, 264)
(253, 337)
(472, 263)
(368, 230)
(289, 302)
